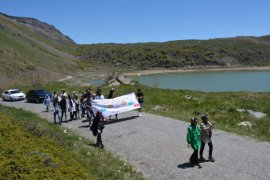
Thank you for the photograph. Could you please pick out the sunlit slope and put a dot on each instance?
(26, 52)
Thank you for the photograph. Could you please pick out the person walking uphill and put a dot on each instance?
(206, 128)
(97, 128)
(193, 140)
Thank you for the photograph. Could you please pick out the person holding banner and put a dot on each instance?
(139, 96)
(112, 95)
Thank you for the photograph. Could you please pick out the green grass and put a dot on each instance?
(33, 148)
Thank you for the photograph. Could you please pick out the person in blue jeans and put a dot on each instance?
(56, 111)
(47, 101)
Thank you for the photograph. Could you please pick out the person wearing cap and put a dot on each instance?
(193, 140)
(97, 128)
(206, 128)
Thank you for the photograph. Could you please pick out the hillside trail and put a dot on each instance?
(156, 146)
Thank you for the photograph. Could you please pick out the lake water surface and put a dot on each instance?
(252, 81)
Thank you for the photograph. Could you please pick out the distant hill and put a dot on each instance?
(31, 50)
(228, 52)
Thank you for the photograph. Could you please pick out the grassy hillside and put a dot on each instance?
(27, 56)
(33, 148)
(239, 51)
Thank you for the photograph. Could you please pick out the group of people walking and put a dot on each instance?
(197, 137)
(79, 106)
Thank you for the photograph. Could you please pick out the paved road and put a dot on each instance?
(156, 146)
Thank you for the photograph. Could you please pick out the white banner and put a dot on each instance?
(117, 105)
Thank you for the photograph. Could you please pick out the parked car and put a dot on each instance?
(37, 95)
(12, 95)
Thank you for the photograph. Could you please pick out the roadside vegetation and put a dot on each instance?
(33, 148)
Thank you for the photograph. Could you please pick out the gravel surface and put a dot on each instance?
(156, 146)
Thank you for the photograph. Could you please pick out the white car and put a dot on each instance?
(12, 95)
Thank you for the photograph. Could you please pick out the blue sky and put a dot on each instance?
(129, 21)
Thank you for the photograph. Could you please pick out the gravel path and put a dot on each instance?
(156, 146)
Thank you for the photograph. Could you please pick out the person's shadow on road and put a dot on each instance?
(185, 165)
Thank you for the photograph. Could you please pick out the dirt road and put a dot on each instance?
(156, 146)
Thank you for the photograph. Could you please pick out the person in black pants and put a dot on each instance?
(193, 140)
(97, 128)
(206, 128)
(63, 105)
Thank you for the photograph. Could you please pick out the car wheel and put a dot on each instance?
(37, 100)
(11, 99)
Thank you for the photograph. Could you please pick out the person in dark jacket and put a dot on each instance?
(97, 128)
(64, 106)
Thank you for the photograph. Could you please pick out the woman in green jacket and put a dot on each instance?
(193, 140)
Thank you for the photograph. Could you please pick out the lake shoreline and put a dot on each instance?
(183, 70)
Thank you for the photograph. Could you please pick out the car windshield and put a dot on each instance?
(14, 92)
